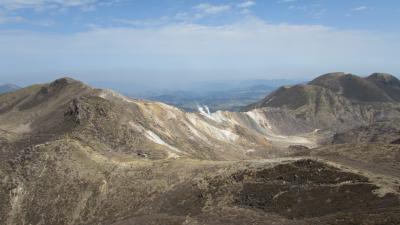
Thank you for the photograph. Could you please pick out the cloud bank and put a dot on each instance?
(250, 48)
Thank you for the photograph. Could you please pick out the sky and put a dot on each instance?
(169, 43)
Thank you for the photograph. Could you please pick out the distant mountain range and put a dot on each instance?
(4, 88)
(218, 95)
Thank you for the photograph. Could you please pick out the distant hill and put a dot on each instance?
(338, 100)
(5, 88)
(219, 95)
(231, 100)
(377, 87)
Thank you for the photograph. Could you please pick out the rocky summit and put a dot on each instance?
(325, 152)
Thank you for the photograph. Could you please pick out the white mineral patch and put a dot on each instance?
(156, 139)
(113, 94)
(196, 133)
(259, 118)
(211, 130)
(227, 117)
(250, 150)
(23, 128)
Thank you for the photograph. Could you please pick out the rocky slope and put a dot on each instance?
(114, 123)
(376, 133)
(72, 154)
(65, 182)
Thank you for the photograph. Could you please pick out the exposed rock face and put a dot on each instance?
(75, 111)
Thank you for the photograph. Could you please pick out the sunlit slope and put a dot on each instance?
(113, 123)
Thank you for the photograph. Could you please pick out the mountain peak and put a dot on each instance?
(64, 81)
(383, 78)
(387, 82)
(330, 78)
(62, 84)
(333, 74)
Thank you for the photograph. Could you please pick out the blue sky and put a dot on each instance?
(164, 43)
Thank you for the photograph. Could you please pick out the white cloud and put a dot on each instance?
(296, 7)
(142, 23)
(245, 11)
(18, 4)
(316, 11)
(286, 1)
(52, 4)
(201, 11)
(246, 4)
(13, 19)
(206, 8)
(245, 49)
(360, 8)
(319, 13)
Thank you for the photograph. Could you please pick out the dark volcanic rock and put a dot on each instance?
(395, 142)
(309, 189)
(75, 111)
(298, 150)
